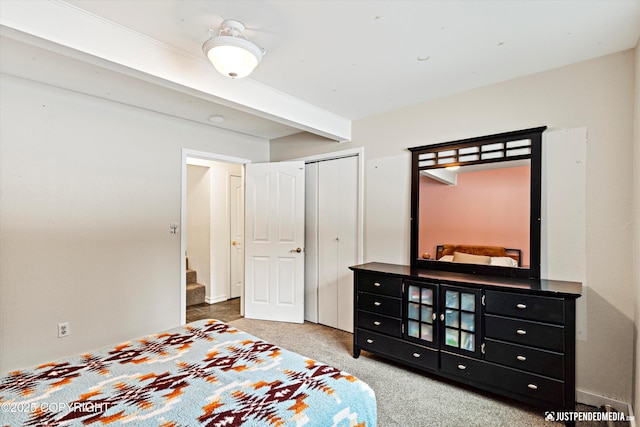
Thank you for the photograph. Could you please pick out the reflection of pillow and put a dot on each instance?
(471, 259)
(448, 258)
(503, 261)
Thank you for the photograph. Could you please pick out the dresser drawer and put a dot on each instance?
(512, 380)
(380, 304)
(379, 284)
(529, 359)
(409, 353)
(533, 334)
(379, 323)
(531, 307)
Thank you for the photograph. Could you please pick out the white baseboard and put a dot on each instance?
(213, 300)
(596, 400)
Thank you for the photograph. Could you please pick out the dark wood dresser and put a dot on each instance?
(514, 337)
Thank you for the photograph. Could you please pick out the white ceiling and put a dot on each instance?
(359, 58)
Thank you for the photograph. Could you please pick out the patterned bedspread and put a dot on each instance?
(204, 373)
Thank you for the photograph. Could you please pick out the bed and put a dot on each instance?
(479, 254)
(204, 373)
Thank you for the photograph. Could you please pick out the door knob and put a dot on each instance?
(298, 250)
(234, 243)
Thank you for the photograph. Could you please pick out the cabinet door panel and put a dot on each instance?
(421, 313)
(460, 320)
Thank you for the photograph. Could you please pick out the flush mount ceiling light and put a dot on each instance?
(231, 52)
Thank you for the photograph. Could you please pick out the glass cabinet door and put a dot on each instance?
(421, 313)
(460, 319)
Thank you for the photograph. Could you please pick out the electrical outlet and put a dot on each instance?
(63, 330)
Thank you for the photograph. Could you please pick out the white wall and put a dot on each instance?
(596, 94)
(199, 223)
(220, 231)
(88, 189)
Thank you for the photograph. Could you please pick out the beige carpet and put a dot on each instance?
(405, 397)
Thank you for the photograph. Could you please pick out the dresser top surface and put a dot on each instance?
(541, 286)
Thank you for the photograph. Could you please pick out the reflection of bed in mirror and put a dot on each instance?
(480, 254)
(488, 205)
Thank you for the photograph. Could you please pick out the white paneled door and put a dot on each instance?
(274, 241)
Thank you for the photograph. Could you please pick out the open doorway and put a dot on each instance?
(358, 224)
(212, 279)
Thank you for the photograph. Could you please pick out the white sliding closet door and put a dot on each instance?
(337, 237)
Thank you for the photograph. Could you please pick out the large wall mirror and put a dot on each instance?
(475, 205)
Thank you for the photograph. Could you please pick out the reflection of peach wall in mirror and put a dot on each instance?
(489, 207)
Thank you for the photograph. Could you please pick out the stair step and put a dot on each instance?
(195, 294)
(191, 277)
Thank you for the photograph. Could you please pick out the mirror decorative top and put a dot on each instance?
(475, 205)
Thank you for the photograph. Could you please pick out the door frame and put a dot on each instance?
(183, 219)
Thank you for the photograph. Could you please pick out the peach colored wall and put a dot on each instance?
(486, 208)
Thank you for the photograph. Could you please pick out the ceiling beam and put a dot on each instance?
(57, 25)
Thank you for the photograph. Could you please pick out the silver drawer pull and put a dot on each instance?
(377, 285)
(416, 355)
(521, 332)
(521, 358)
(442, 317)
(433, 316)
(377, 323)
(370, 341)
(462, 367)
(377, 304)
(532, 386)
(521, 306)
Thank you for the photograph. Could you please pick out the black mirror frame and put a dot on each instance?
(533, 272)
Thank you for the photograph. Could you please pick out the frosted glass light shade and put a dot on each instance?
(232, 56)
